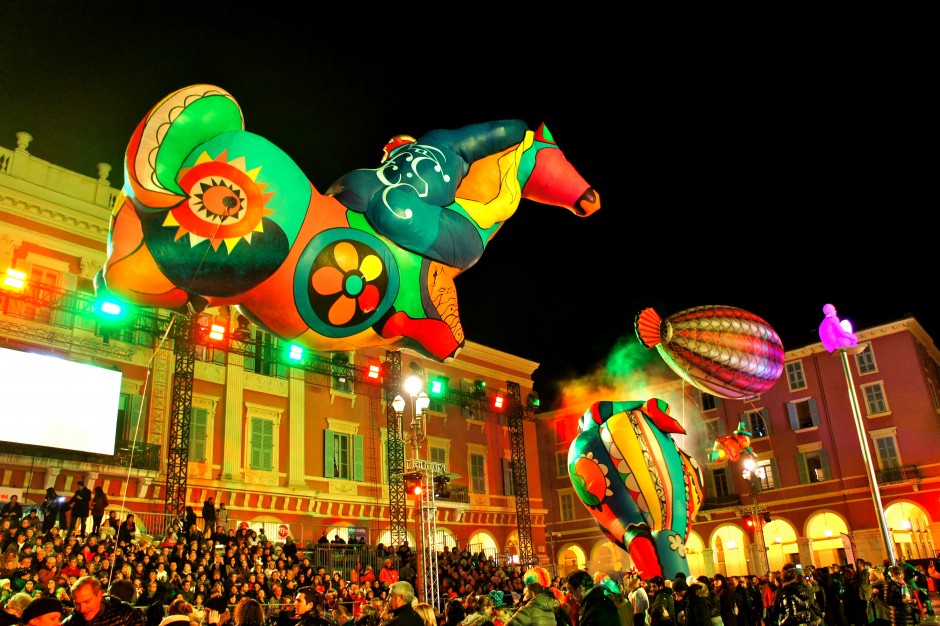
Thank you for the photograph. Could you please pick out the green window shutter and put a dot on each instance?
(718, 402)
(507, 477)
(359, 472)
(776, 473)
(801, 466)
(198, 433)
(824, 462)
(791, 414)
(257, 434)
(765, 415)
(328, 453)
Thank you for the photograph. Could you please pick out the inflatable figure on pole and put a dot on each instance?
(642, 490)
(213, 215)
(721, 350)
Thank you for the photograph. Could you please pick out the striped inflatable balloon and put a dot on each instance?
(721, 350)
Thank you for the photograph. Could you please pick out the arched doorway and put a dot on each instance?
(482, 541)
(570, 558)
(695, 555)
(910, 530)
(780, 539)
(730, 554)
(826, 530)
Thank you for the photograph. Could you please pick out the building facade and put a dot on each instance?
(810, 497)
(294, 450)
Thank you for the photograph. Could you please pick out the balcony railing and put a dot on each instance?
(899, 474)
(140, 456)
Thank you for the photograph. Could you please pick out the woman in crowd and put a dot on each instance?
(249, 612)
(99, 502)
(697, 606)
(426, 612)
(792, 600)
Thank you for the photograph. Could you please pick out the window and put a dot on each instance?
(758, 422)
(803, 414)
(561, 464)
(714, 429)
(886, 448)
(343, 455)
(933, 394)
(264, 360)
(198, 434)
(477, 473)
(866, 361)
(769, 466)
(709, 402)
(567, 506)
(436, 388)
(720, 483)
(475, 396)
(341, 372)
(509, 487)
(438, 455)
(129, 418)
(262, 444)
(795, 378)
(875, 401)
(813, 466)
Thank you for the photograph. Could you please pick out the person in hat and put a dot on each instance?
(43, 611)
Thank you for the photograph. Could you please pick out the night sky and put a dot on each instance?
(771, 158)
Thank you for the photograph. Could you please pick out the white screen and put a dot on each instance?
(48, 401)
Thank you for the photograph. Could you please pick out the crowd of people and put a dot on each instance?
(224, 577)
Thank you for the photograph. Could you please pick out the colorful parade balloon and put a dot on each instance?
(213, 215)
(721, 350)
(641, 488)
(730, 447)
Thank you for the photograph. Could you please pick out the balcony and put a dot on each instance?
(139, 456)
(898, 475)
(721, 502)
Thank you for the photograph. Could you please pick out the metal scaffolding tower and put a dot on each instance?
(396, 452)
(427, 547)
(520, 483)
(184, 348)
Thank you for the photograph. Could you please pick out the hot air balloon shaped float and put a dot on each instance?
(213, 215)
(641, 488)
(721, 350)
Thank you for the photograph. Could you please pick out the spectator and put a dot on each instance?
(424, 610)
(32, 520)
(190, 523)
(793, 606)
(307, 606)
(222, 517)
(179, 612)
(697, 606)
(595, 608)
(401, 597)
(727, 607)
(388, 575)
(79, 504)
(50, 510)
(128, 530)
(538, 608)
(14, 607)
(639, 600)
(12, 510)
(208, 516)
(454, 612)
(99, 502)
(123, 589)
(662, 611)
(249, 612)
(93, 608)
(43, 612)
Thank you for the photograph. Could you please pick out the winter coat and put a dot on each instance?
(663, 608)
(99, 504)
(538, 611)
(597, 609)
(114, 612)
(794, 606)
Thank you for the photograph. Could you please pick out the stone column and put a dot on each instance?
(295, 468)
(805, 547)
(234, 417)
(708, 556)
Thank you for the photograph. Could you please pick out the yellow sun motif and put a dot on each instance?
(225, 202)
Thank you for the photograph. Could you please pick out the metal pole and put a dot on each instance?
(863, 444)
(759, 527)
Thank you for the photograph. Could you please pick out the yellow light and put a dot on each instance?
(828, 533)
(15, 279)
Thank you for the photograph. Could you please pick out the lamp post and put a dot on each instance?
(425, 509)
(754, 474)
(552, 537)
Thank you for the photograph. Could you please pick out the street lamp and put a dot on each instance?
(754, 474)
(425, 508)
(420, 401)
